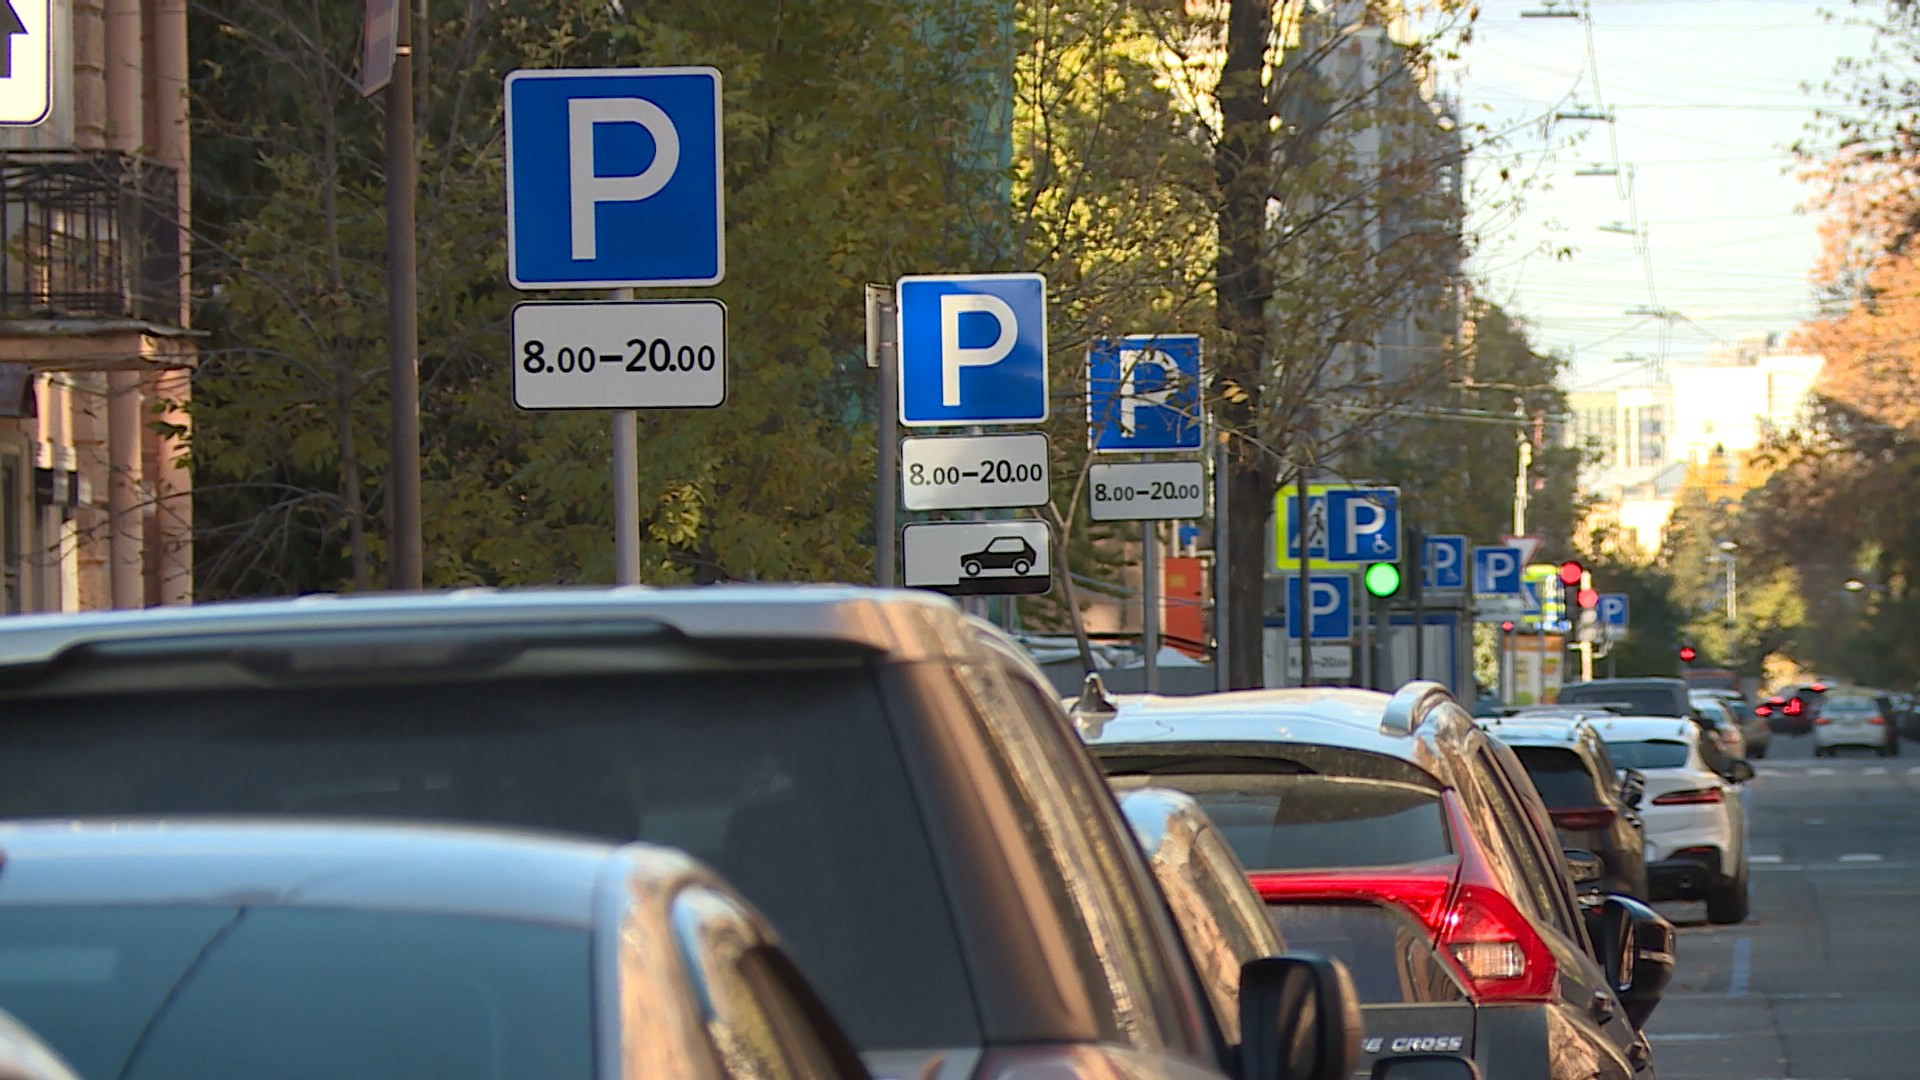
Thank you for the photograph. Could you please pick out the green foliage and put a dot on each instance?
(847, 160)
(1455, 455)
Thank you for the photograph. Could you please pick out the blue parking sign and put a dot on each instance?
(614, 178)
(1143, 393)
(1330, 598)
(973, 349)
(1443, 561)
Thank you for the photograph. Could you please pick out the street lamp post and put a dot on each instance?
(1727, 548)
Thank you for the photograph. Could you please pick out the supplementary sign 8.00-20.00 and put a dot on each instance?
(620, 354)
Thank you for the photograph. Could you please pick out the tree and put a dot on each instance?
(829, 185)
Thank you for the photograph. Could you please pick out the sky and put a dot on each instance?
(1707, 97)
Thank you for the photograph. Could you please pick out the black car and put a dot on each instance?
(1394, 834)
(1652, 696)
(891, 783)
(1593, 805)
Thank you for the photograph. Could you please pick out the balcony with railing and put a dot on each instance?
(89, 235)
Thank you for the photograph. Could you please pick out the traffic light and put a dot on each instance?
(1688, 654)
(1382, 579)
(1571, 572)
(1588, 599)
(1507, 627)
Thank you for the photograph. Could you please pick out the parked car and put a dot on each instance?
(386, 951)
(1696, 820)
(1855, 719)
(23, 1056)
(1592, 803)
(889, 781)
(1759, 733)
(1399, 837)
(1725, 721)
(1226, 926)
(1654, 696)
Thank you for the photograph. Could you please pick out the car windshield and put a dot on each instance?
(786, 779)
(1645, 700)
(1648, 753)
(1313, 822)
(192, 993)
(1564, 781)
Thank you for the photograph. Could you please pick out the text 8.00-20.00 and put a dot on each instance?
(620, 355)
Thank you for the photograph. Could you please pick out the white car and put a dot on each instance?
(1694, 809)
(1851, 720)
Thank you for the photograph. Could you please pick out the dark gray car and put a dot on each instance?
(890, 782)
(311, 951)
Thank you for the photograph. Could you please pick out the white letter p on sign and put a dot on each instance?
(589, 191)
(953, 357)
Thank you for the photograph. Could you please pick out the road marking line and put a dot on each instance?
(1874, 770)
(1821, 771)
(1742, 961)
(1861, 856)
(1765, 859)
(1816, 821)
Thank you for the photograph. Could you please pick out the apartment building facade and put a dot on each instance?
(96, 349)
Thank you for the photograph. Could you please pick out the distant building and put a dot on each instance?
(1699, 422)
(95, 354)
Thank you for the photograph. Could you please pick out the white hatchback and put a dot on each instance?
(1850, 720)
(1694, 809)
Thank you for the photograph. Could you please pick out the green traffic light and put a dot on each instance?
(1382, 579)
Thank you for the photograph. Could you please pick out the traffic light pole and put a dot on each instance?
(1365, 650)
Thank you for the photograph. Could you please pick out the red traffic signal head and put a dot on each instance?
(1588, 599)
(1688, 654)
(1507, 626)
(1571, 572)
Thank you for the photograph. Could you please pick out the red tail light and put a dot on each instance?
(1763, 710)
(1695, 797)
(1499, 954)
(1876, 720)
(1582, 820)
(1822, 720)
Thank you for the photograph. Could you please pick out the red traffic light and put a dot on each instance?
(1507, 626)
(1571, 572)
(1688, 654)
(1588, 599)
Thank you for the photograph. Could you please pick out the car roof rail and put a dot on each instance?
(1410, 705)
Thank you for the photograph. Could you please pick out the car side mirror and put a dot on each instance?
(1299, 1019)
(1583, 866)
(1426, 1067)
(1633, 787)
(1636, 947)
(1740, 771)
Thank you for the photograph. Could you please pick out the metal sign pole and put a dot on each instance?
(1150, 602)
(1304, 595)
(883, 353)
(1221, 579)
(626, 486)
(1365, 619)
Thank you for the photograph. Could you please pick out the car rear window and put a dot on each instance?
(1645, 700)
(1861, 705)
(1563, 779)
(168, 993)
(1648, 753)
(786, 779)
(1300, 822)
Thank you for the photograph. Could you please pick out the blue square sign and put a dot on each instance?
(973, 349)
(614, 178)
(1143, 393)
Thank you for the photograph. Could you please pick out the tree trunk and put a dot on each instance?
(1243, 163)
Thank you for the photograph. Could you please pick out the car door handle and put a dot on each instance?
(1602, 1006)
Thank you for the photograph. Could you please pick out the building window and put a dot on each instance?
(12, 584)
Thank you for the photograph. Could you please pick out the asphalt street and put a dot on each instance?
(1822, 982)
